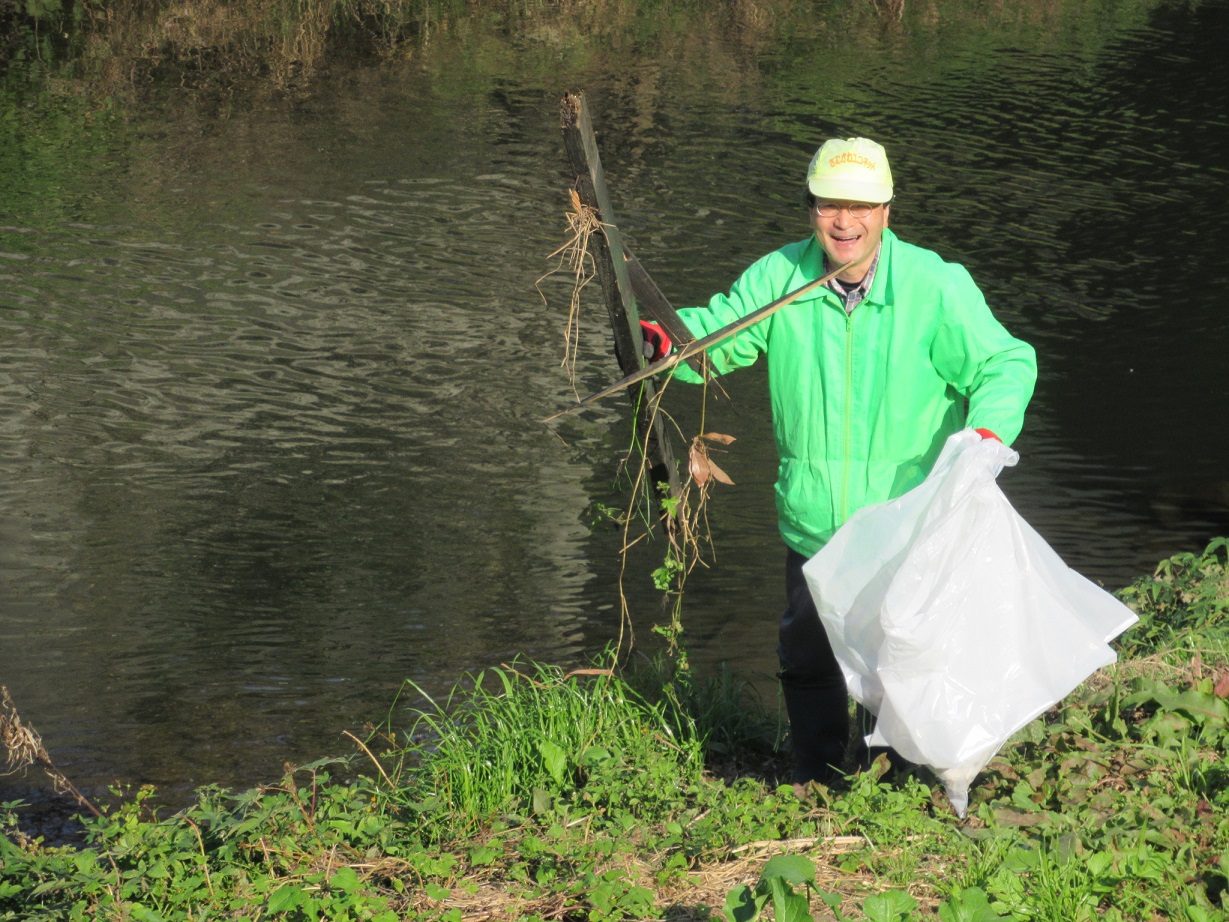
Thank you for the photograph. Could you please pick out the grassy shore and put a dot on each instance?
(640, 794)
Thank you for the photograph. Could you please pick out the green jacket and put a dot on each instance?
(862, 403)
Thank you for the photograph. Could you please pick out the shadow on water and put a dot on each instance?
(274, 375)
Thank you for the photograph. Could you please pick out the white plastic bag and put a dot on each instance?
(953, 620)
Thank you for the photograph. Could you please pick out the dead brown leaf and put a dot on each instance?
(700, 463)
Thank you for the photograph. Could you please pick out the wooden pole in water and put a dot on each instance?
(611, 266)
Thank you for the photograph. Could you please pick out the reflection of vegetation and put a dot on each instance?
(124, 45)
(37, 30)
(75, 70)
(50, 143)
(284, 40)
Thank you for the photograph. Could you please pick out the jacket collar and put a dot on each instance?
(811, 266)
(881, 287)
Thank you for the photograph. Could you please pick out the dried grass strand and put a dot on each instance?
(574, 256)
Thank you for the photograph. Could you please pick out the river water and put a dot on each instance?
(274, 371)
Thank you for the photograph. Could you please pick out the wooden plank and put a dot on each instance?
(650, 297)
(611, 268)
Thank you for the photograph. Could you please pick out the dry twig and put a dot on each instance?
(23, 747)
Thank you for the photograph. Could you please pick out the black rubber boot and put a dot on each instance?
(819, 729)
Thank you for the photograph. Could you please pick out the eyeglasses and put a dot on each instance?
(832, 209)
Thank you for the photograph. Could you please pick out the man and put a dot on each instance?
(868, 376)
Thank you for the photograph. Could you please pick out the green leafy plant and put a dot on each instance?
(970, 905)
(1185, 598)
(776, 886)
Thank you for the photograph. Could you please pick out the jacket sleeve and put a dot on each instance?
(981, 360)
(757, 286)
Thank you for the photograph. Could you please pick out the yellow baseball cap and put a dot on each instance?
(852, 170)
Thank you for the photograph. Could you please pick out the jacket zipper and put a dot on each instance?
(848, 417)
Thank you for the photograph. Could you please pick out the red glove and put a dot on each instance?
(987, 434)
(657, 344)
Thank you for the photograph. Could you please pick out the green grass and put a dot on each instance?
(532, 793)
(541, 742)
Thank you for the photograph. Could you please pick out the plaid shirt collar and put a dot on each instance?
(853, 296)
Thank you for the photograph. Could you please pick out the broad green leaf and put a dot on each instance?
(793, 868)
(1099, 863)
(596, 755)
(542, 801)
(483, 855)
(741, 905)
(971, 905)
(893, 906)
(787, 906)
(638, 902)
(143, 913)
(285, 898)
(345, 879)
(554, 759)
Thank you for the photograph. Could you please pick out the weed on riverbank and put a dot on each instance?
(540, 794)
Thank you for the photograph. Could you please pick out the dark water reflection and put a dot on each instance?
(272, 440)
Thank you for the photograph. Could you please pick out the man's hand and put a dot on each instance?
(657, 345)
(984, 433)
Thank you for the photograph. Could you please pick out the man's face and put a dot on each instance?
(845, 237)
